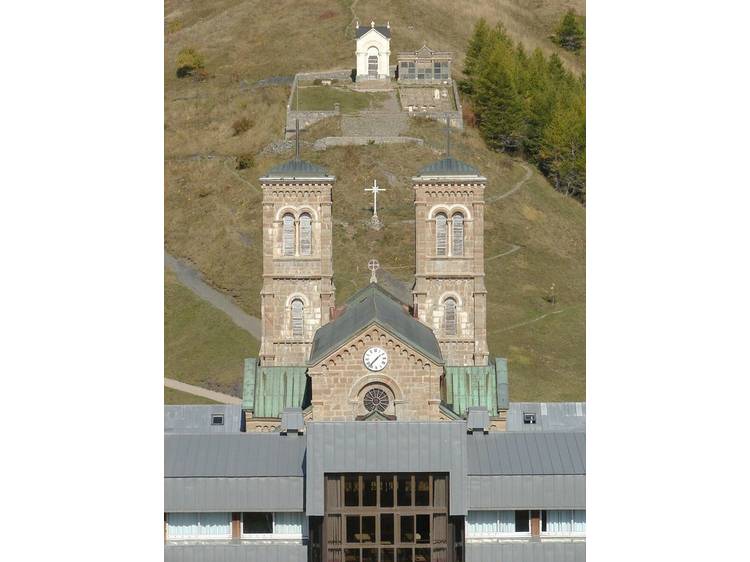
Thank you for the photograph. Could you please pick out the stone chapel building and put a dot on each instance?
(374, 356)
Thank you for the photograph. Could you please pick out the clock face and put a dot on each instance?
(375, 359)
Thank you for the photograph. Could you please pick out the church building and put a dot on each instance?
(378, 429)
(373, 51)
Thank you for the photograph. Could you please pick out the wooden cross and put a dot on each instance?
(375, 190)
(296, 131)
(373, 265)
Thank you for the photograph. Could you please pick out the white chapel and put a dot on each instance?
(373, 51)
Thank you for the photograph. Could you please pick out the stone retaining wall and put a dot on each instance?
(324, 143)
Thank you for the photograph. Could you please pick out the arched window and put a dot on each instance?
(449, 310)
(297, 310)
(441, 234)
(288, 235)
(305, 234)
(458, 235)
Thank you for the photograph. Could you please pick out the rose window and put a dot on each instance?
(376, 400)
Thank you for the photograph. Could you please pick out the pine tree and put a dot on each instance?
(500, 107)
(478, 42)
(570, 33)
(563, 147)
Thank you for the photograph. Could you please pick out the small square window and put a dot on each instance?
(217, 419)
(529, 418)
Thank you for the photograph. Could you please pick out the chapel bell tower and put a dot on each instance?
(298, 291)
(449, 290)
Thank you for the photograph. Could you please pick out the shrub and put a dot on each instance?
(188, 61)
(245, 161)
(241, 125)
(317, 82)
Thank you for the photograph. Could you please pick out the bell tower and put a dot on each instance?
(298, 291)
(449, 290)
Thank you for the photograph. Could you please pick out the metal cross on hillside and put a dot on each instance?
(375, 190)
(296, 131)
(373, 265)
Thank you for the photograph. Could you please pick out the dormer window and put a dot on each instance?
(217, 419)
(529, 418)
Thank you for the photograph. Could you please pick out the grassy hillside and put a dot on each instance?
(213, 211)
(202, 346)
(172, 396)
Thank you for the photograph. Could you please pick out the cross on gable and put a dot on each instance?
(373, 265)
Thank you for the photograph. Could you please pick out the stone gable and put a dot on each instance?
(340, 380)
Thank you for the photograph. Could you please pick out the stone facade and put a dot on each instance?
(411, 381)
(459, 277)
(308, 278)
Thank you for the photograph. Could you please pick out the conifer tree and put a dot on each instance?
(500, 107)
(563, 147)
(477, 44)
(570, 33)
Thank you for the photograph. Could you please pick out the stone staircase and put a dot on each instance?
(374, 124)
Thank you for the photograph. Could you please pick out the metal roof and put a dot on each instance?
(449, 167)
(384, 30)
(526, 453)
(196, 418)
(550, 416)
(273, 389)
(258, 493)
(296, 169)
(470, 386)
(373, 304)
(536, 491)
(386, 446)
(233, 455)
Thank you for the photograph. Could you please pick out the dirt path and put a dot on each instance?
(191, 279)
(198, 391)
(537, 319)
(515, 188)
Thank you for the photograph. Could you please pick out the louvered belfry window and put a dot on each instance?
(458, 234)
(297, 310)
(450, 316)
(441, 234)
(288, 235)
(305, 234)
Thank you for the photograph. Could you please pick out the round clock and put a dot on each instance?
(375, 359)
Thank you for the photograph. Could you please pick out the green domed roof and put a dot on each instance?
(297, 169)
(449, 167)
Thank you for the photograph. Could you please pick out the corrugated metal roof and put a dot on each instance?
(517, 551)
(373, 304)
(210, 551)
(386, 447)
(196, 418)
(259, 493)
(539, 491)
(550, 416)
(293, 169)
(449, 167)
(526, 453)
(233, 455)
(382, 29)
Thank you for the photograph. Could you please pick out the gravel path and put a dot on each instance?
(198, 391)
(191, 279)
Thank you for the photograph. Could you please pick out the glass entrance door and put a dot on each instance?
(387, 518)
